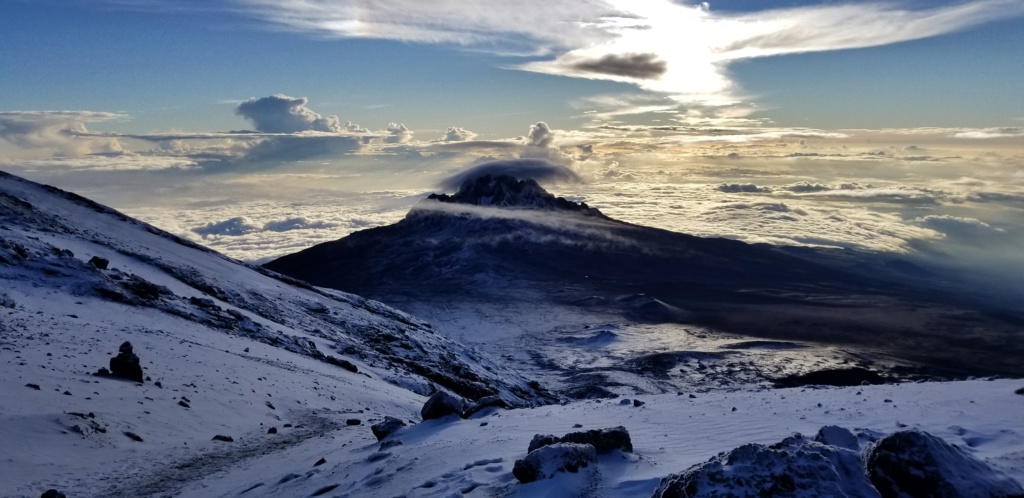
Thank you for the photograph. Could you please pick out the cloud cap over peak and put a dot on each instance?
(537, 169)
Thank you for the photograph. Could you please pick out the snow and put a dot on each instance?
(243, 377)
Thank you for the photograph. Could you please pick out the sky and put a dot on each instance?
(259, 127)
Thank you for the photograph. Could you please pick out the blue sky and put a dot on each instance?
(167, 65)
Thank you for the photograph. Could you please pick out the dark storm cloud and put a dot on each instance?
(283, 114)
(537, 169)
(640, 66)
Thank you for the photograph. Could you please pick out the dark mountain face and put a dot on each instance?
(503, 239)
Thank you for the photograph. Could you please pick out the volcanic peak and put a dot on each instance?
(506, 191)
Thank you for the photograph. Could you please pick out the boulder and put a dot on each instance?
(100, 263)
(126, 364)
(441, 404)
(389, 426)
(53, 493)
(794, 467)
(487, 402)
(544, 462)
(603, 440)
(914, 463)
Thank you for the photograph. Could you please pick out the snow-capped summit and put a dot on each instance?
(507, 191)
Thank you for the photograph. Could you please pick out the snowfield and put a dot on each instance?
(293, 374)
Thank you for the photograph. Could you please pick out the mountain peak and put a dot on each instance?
(506, 191)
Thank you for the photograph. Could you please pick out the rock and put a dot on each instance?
(226, 439)
(540, 441)
(320, 462)
(1019, 391)
(270, 405)
(353, 421)
(272, 430)
(487, 402)
(441, 404)
(693, 396)
(33, 386)
(917, 464)
(390, 443)
(100, 263)
(837, 436)
(794, 467)
(53, 493)
(637, 403)
(347, 365)
(389, 426)
(183, 403)
(133, 436)
(7, 302)
(840, 377)
(603, 440)
(544, 462)
(126, 364)
(577, 426)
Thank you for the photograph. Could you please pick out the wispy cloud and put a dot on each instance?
(663, 46)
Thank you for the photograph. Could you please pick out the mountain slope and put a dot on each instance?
(504, 239)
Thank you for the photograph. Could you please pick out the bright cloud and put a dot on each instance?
(663, 46)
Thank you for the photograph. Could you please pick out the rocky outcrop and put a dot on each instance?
(906, 464)
(918, 464)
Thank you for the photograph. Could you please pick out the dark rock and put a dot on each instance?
(67, 393)
(272, 430)
(100, 263)
(637, 403)
(226, 439)
(917, 464)
(324, 490)
(347, 365)
(487, 402)
(441, 404)
(183, 403)
(270, 405)
(734, 408)
(841, 377)
(544, 462)
(390, 443)
(1019, 391)
(126, 364)
(389, 426)
(541, 440)
(102, 372)
(320, 462)
(577, 426)
(353, 421)
(33, 386)
(693, 396)
(53, 493)
(158, 384)
(133, 436)
(603, 440)
(203, 302)
(794, 467)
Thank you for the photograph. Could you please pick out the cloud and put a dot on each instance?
(956, 226)
(735, 188)
(397, 134)
(540, 135)
(297, 223)
(232, 227)
(283, 114)
(639, 66)
(456, 134)
(537, 169)
(56, 131)
(666, 47)
(989, 133)
(273, 152)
